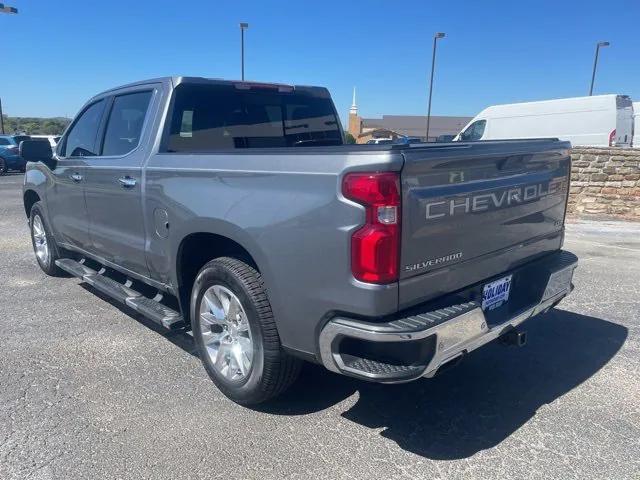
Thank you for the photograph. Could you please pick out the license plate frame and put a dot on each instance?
(496, 293)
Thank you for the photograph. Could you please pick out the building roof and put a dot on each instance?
(416, 125)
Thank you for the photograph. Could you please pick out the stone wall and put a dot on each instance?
(605, 181)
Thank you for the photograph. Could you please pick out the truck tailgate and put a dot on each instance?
(473, 210)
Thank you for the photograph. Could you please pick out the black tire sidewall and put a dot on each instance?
(217, 273)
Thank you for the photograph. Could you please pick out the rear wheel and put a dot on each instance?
(44, 246)
(3, 166)
(236, 334)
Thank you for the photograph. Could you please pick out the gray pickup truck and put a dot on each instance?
(234, 210)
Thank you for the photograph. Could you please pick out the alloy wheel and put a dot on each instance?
(226, 333)
(40, 240)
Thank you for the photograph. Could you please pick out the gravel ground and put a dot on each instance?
(90, 390)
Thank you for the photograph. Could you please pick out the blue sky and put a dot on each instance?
(59, 53)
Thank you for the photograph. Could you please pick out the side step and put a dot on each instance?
(148, 307)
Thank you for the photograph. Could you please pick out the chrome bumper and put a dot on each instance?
(452, 332)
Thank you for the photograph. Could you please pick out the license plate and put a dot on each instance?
(496, 293)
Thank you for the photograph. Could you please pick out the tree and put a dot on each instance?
(35, 126)
(348, 138)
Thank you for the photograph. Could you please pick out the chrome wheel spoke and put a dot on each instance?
(243, 326)
(209, 319)
(241, 357)
(212, 305)
(234, 309)
(221, 361)
(224, 298)
(211, 338)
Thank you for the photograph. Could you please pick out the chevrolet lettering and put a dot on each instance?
(493, 200)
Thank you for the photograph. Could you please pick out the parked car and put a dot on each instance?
(234, 209)
(379, 141)
(10, 158)
(599, 120)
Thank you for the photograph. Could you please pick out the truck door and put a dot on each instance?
(113, 186)
(65, 198)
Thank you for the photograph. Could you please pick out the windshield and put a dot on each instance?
(215, 117)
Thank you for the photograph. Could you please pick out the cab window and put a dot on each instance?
(81, 139)
(125, 123)
(474, 132)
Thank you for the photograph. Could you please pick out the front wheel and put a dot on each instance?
(44, 246)
(236, 334)
(3, 166)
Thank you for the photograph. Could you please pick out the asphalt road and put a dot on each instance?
(90, 390)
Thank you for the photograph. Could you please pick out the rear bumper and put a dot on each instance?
(422, 340)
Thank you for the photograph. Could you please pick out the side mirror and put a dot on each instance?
(37, 151)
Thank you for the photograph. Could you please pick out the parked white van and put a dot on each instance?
(600, 120)
(636, 124)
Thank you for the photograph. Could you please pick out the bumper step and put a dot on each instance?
(426, 339)
(150, 308)
(380, 370)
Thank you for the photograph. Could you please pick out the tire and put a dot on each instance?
(264, 370)
(3, 167)
(41, 237)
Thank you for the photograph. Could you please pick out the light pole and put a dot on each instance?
(595, 64)
(243, 27)
(11, 10)
(433, 66)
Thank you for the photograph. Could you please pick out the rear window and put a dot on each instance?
(221, 117)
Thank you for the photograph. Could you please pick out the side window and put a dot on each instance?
(474, 132)
(81, 139)
(125, 123)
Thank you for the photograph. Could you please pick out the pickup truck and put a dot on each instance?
(234, 211)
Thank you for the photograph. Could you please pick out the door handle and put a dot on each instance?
(76, 177)
(127, 182)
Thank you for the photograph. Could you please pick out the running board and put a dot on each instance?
(151, 308)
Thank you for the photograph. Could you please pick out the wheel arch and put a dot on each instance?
(198, 248)
(30, 197)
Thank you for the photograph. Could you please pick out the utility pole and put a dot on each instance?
(10, 10)
(595, 64)
(433, 66)
(243, 27)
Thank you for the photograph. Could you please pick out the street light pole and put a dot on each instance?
(243, 27)
(11, 10)
(595, 64)
(433, 66)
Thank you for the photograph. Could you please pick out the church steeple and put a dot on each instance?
(355, 123)
(354, 108)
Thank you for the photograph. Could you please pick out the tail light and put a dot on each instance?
(375, 247)
(612, 137)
